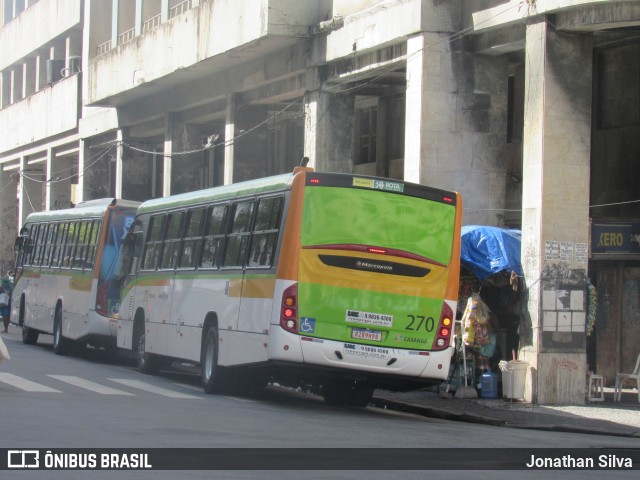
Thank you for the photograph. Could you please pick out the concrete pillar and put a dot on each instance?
(138, 20)
(115, 8)
(168, 151)
(118, 166)
(164, 10)
(48, 179)
(73, 48)
(79, 193)
(555, 217)
(229, 135)
(8, 218)
(329, 131)
(41, 69)
(456, 115)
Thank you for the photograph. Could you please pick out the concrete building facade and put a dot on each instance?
(529, 108)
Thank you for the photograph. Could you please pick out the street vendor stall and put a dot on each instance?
(489, 304)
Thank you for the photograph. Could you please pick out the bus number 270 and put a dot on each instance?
(417, 322)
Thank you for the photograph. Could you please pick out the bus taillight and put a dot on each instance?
(443, 335)
(289, 309)
(101, 300)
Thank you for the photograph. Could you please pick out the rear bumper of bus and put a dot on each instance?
(421, 366)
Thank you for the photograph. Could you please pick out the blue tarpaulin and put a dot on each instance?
(486, 251)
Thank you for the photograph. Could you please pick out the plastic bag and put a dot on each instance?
(4, 352)
(476, 322)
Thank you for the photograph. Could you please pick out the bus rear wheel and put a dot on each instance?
(60, 344)
(29, 335)
(215, 379)
(361, 394)
(337, 391)
(147, 362)
(340, 391)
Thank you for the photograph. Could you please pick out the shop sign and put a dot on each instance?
(615, 238)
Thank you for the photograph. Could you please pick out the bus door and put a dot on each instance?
(238, 239)
(37, 286)
(78, 301)
(127, 273)
(159, 287)
(258, 284)
(109, 283)
(169, 330)
(23, 274)
(190, 302)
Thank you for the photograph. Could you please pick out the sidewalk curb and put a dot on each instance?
(561, 427)
(445, 414)
(440, 413)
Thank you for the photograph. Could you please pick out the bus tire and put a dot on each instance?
(29, 335)
(60, 344)
(337, 391)
(361, 394)
(21, 312)
(147, 363)
(215, 379)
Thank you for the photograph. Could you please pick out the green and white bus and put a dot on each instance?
(65, 273)
(339, 281)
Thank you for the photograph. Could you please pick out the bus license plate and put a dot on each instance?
(366, 334)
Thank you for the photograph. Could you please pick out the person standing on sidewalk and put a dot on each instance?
(6, 287)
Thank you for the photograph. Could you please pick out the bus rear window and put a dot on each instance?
(335, 215)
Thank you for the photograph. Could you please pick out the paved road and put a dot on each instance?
(89, 401)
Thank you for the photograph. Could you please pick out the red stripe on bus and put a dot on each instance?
(374, 249)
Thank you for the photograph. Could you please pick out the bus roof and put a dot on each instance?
(90, 209)
(240, 189)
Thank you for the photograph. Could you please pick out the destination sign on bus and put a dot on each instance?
(378, 184)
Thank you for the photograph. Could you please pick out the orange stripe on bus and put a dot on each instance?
(152, 282)
(291, 245)
(252, 288)
(80, 284)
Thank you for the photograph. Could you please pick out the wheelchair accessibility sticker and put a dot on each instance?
(307, 325)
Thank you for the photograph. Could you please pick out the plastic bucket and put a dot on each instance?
(514, 375)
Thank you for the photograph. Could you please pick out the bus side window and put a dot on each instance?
(138, 243)
(192, 239)
(154, 242)
(42, 244)
(51, 236)
(58, 253)
(265, 232)
(238, 238)
(171, 243)
(21, 248)
(213, 241)
(55, 247)
(90, 257)
(83, 240)
(70, 245)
